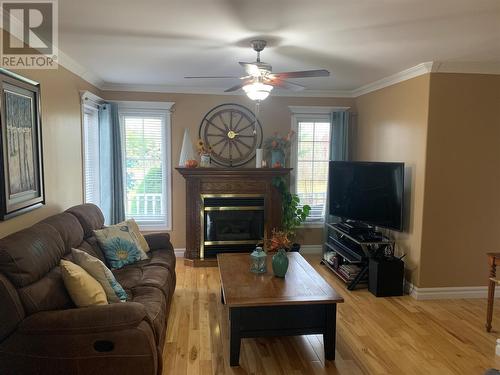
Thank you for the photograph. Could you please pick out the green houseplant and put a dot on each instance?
(293, 214)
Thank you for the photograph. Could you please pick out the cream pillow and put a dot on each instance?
(99, 271)
(136, 233)
(83, 289)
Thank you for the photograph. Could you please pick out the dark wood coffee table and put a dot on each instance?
(302, 303)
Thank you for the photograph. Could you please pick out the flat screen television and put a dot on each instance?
(367, 192)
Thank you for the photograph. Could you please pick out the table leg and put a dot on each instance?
(234, 338)
(330, 332)
(491, 294)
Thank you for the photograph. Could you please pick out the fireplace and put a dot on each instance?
(229, 210)
(231, 223)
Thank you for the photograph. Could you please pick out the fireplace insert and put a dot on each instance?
(231, 223)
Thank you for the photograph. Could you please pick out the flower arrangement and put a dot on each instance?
(279, 143)
(278, 240)
(202, 148)
(275, 148)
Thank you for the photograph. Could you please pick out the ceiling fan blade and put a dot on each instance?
(251, 68)
(239, 86)
(190, 77)
(286, 85)
(303, 74)
(235, 87)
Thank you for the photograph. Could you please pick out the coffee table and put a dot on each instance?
(302, 303)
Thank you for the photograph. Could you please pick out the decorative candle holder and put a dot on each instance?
(258, 260)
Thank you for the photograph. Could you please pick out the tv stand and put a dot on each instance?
(346, 252)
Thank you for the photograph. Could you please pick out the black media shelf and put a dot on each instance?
(342, 249)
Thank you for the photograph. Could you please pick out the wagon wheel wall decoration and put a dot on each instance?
(233, 132)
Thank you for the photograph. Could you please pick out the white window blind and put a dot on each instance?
(146, 167)
(91, 155)
(312, 157)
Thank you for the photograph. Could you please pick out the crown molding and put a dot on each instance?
(415, 71)
(108, 86)
(86, 74)
(404, 75)
(315, 110)
(467, 67)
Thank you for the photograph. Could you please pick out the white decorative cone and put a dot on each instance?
(187, 152)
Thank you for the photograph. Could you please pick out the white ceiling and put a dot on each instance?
(158, 42)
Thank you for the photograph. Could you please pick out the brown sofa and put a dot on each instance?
(42, 332)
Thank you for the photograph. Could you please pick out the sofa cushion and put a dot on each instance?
(90, 246)
(12, 311)
(155, 303)
(89, 216)
(134, 276)
(84, 289)
(28, 255)
(48, 293)
(69, 229)
(162, 258)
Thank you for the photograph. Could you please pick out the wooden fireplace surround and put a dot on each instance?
(226, 181)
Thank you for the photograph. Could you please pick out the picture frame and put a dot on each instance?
(21, 154)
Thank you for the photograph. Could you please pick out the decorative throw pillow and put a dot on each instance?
(99, 271)
(119, 245)
(136, 234)
(83, 289)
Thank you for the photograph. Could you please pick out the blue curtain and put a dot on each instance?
(110, 164)
(339, 145)
(339, 149)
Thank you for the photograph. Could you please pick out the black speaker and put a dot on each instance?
(385, 277)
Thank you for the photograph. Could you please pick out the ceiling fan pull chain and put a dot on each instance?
(256, 115)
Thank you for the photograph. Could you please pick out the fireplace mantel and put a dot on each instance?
(233, 172)
(201, 181)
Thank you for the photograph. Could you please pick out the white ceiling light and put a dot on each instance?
(257, 90)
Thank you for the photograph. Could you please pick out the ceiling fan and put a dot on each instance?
(260, 80)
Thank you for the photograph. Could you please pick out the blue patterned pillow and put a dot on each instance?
(119, 246)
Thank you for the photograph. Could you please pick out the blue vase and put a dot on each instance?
(277, 159)
(280, 263)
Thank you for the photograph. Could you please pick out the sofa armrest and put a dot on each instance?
(158, 241)
(100, 318)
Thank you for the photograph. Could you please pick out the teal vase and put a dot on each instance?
(280, 263)
(277, 159)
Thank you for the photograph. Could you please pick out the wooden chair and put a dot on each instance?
(493, 261)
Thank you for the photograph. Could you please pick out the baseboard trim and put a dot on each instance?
(311, 249)
(422, 294)
(179, 253)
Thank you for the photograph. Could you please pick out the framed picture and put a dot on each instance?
(21, 161)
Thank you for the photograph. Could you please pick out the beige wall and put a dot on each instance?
(188, 112)
(461, 219)
(62, 157)
(392, 126)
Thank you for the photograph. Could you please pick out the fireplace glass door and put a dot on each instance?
(234, 226)
(232, 223)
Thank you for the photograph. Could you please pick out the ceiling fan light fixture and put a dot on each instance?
(257, 90)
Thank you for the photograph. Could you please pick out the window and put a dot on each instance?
(310, 156)
(91, 154)
(311, 168)
(146, 163)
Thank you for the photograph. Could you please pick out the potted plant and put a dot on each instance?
(293, 214)
(279, 243)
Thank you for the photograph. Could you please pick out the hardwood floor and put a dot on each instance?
(374, 335)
